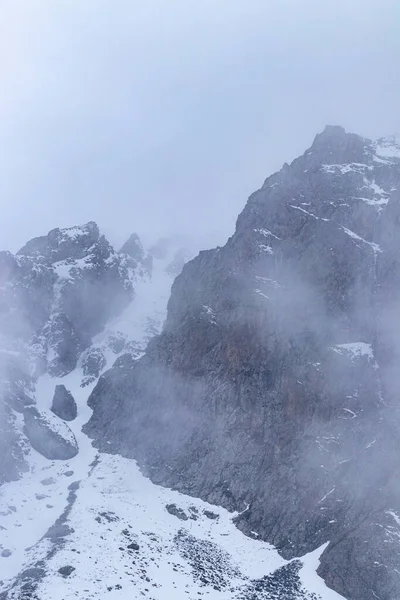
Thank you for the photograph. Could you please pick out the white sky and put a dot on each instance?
(162, 116)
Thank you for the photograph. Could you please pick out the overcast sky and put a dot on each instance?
(162, 116)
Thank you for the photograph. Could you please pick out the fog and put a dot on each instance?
(269, 384)
(163, 117)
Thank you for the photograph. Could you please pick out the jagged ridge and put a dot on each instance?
(272, 384)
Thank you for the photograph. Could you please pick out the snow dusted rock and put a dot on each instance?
(177, 512)
(64, 405)
(134, 249)
(61, 290)
(63, 345)
(93, 363)
(62, 244)
(49, 436)
(95, 358)
(57, 294)
(272, 389)
(116, 341)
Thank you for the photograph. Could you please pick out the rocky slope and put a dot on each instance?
(57, 293)
(272, 389)
(77, 524)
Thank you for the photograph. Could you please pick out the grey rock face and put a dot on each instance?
(272, 387)
(56, 293)
(93, 362)
(176, 265)
(94, 359)
(61, 244)
(134, 249)
(50, 437)
(61, 289)
(64, 405)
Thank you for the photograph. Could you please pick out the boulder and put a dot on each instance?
(64, 405)
(49, 436)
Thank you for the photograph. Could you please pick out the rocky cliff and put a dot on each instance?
(56, 294)
(272, 389)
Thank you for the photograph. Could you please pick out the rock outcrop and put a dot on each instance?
(272, 388)
(56, 294)
(134, 249)
(49, 436)
(64, 405)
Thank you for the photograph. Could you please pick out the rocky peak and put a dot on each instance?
(335, 146)
(56, 293)
(270, 389)
(66, 285)
(361, 184)
(133, 247)
(60, 244)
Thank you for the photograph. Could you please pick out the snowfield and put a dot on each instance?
(120, 541)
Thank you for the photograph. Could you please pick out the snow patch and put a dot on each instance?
(210, 313)
(266, 233)
(326, 495)
(394, 515)
(350, 412)
(268, 281)
(355, 350)
(388, 147)
(310, 579)
(266, 249)
(346, 168)
(308, 213)
(75, 232)
(260, 293)
(375, 247)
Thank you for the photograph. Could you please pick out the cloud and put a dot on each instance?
(163, 117)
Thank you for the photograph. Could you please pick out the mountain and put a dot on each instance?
(234, 437)
(272, 389)
(57, 292)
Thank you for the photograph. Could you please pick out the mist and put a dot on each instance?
(162, 120)
(154, 398)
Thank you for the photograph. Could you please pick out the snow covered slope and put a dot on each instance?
(94, 527)
(120, 536)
